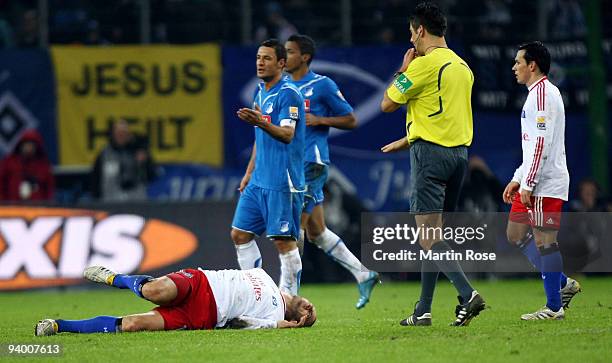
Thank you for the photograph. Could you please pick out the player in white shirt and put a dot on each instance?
(540, 184)
(194, 299)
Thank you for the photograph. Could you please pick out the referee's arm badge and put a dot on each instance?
(402, 83)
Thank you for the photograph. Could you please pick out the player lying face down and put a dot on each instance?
(194, 299)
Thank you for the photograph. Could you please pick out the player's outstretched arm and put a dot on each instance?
(345, 122)
(253, 117)
(250, 323)
(283, 134)
(398, 145)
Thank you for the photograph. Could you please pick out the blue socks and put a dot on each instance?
(105, 324)
(563, 280)
(99, 324)
(529, 249)
(552, 264)
(132, 282)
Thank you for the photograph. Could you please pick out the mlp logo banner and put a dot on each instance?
(168, 94)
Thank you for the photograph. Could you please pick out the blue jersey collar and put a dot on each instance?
(262, 85)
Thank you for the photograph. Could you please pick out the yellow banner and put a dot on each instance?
(169, 94)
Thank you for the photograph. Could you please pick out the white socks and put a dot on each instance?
(291, 263)
(249, 255)
(333, 246)
(291, 271)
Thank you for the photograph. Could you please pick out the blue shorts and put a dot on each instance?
(277, 213)
(316, 176)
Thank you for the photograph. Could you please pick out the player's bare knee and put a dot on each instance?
(315, 228)
(285, 245)
(159, 291)
(515, 235)
(152, 290)
(313, 232)
(132, 324)
(240, 237)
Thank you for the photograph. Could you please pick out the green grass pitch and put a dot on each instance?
(342, 333)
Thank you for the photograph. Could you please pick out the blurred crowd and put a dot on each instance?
(124, 167)
(371, 21)
(121, 171)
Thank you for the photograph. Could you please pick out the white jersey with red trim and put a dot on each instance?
(247, 299)
(544, 169)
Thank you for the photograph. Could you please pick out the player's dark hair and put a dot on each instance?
(279, 49)
(431, 17)
(306, 44)
(538, 53)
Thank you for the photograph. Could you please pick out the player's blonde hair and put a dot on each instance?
(293, 313)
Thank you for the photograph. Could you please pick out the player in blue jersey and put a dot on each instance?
(272, 189)
(325, 107)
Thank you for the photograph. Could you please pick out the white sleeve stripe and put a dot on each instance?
(536, 162)
(312, 81)
(287, 122)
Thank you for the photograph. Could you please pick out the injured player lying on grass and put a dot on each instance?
(194, 299)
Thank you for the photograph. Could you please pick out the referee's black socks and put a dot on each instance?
(453, 270)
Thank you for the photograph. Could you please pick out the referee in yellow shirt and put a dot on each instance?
(436, 86)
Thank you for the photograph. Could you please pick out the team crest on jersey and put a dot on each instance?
(308, 92)
(269, 107)
(541, 122)
(274, 302)
(402, 83)
(284, 226)
(307, 105)
(293, 112)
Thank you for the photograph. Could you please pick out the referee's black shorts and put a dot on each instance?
(436, 176)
